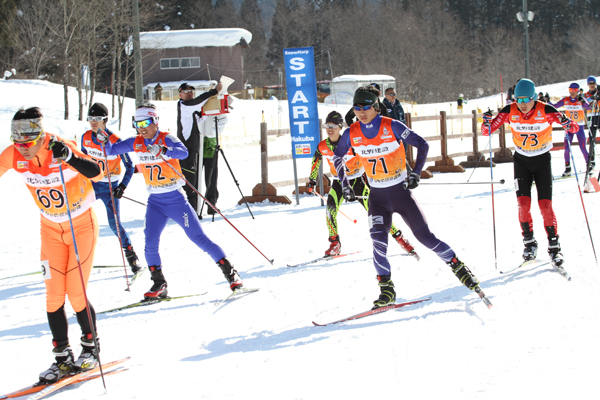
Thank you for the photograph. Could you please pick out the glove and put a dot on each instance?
(311, 185)
(118, 191)
(487, 117)
(412, 181)
(102, 136)
(580, 98)
(565, 122)
(156, 150)
(348, 193)
(597, 97)
(60, 151)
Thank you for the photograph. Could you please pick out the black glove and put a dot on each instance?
(487, 117)
(348, 193)
(412, 181)
(565, 122)
(597, 97)
(118, 191)
(311, 185)
(60, 150)
(580, 98)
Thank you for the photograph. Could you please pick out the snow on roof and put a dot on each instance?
(223, 37)
(353, 78)
(176, 84)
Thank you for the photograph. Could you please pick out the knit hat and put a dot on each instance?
(574, 85)
(365, 97)
(525, 88)
(335, 117)
(98, 110)
(591, 79)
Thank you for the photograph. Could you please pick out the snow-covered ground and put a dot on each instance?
(540, 340)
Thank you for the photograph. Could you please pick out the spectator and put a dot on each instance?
(158, 92)
(393, 106)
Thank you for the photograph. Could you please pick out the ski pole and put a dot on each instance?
(478, 160)
(215, 208)
(112, 199)
(581, 197)
(340, 211)
(87, 302)
(135, 201)
(492, 185)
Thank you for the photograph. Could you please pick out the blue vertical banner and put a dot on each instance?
(301, 84)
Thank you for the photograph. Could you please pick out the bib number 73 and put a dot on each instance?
(533, 137)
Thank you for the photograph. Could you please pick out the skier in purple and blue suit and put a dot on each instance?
(379, 144)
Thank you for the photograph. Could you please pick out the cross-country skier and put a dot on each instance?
(379, 145)
(36, 155)
(592, 96)
(156, 149)
(531, 124)
(574, 105)
(354, 174)
(97, 117)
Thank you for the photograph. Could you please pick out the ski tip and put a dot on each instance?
(315, 324)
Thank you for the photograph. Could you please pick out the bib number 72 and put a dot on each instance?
(533, 137)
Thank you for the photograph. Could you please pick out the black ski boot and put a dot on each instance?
(567, 169)
(464, 275)
(132, 259)
(531, 246)
(235, 282)
(159, 289)
(88, 358)
(554, 250)
(62, 367)
(387, 295)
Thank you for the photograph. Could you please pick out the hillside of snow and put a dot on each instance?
(540, 340)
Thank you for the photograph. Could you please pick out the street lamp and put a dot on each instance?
(521, 18)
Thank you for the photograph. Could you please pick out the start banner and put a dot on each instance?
(301, 84)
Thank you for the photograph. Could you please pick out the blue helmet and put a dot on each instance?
(525, 88)
(591, 79)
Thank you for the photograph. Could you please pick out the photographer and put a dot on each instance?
(189, 118)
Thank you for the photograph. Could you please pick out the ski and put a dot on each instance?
(375, 311)
(562, 272)
(325, 258)
(42, 389)
(483, 297)
(25, 274)
(237, 293)
(525, 264)
(147, 302)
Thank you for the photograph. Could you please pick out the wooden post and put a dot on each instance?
(409, 149)
(264, 155)
(444, 134)
(475, 140)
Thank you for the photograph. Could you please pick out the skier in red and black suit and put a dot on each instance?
(531, 125)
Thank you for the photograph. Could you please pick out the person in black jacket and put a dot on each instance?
(189, 116)
(393, 106)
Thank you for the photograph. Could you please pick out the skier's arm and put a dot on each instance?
(129, 168)
(200, 100)
(406, 135)
(501, 118)
(338, 157)
(83, 163)
(120, 147)
(175, 148)
(316, 161)
(554, 116)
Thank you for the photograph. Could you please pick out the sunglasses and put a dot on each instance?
(524, 100)
(186, 91)
(330, 126)
(143, 124)
(97, 119)
(28, 144)
(392, 94)
(364, 108)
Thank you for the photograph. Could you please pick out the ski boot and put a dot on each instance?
(531, 246)
(159, 289)
(464, 275)
(567, 169)
(132, 259)
(62, 367)
(335, 247)
(387, 295)
(235, 282)
(88, 358)
(405, 244)
(554, 250)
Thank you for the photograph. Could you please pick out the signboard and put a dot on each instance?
(301, 86)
